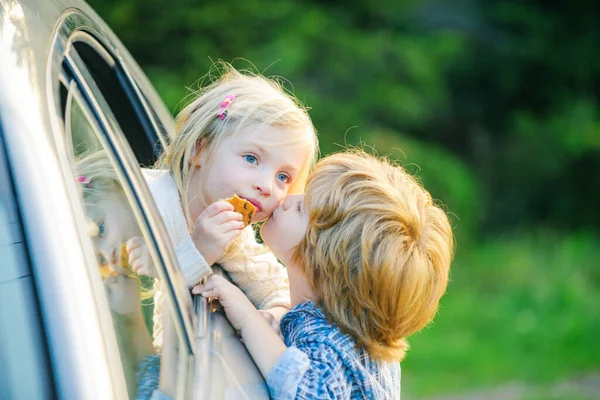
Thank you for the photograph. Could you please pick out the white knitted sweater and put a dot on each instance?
(256, 272)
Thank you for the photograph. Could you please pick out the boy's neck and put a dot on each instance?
(300, 290)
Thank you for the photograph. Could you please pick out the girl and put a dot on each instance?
(241, 135)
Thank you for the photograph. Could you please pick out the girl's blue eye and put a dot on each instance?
(283, 178)
(250, 158)
(101, 229)
(101, 259)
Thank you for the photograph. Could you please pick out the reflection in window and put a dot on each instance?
(112, 226)
(82, 132)
(120, 249)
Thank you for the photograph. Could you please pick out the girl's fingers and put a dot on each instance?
(230, 226)
(137, 265)
(226, 216)
(134, 243)
(197, 289)
(216, 208)
(212, 283)
(214, 292)
(232, 234)
(135, 254)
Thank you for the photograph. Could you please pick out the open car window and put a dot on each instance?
(118, 213)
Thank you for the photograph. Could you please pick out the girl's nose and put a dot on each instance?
(264, 185)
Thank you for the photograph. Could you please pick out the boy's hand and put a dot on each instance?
(215, 228)
(238, 308)
(139, 257)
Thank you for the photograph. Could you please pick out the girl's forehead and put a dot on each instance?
(273, 136)
(103, 205)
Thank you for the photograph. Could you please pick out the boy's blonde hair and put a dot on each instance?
(377, 250)
(258, 101)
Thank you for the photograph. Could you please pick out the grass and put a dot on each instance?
(524, 308)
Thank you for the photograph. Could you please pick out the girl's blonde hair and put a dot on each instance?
(377, 251)
(103, 183)
(258, 101)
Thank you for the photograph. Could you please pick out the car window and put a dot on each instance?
(111, 225)
(115, 221)
(138, 122)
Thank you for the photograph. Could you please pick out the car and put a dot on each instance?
(69, 90)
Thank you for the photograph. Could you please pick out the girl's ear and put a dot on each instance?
(198, 154)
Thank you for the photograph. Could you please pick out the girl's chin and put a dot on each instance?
(265, 233)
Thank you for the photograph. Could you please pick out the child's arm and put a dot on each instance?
(260, 276)
(123, 294)
(310, 369)
(262, 341)
(213, 230)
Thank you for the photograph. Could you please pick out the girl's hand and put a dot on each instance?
(238, 308)
(215, 228)
(139, 257)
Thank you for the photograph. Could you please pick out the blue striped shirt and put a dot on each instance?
(323, 363)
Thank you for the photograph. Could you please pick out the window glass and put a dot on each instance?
(134, 120)
(117, 233)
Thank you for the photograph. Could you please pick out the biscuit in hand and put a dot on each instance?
(243, 207)
(124, 260)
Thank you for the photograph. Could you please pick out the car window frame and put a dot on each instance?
(181, 311)
(74, 26)
(112, 138)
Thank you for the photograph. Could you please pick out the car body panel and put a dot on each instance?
(77, 355)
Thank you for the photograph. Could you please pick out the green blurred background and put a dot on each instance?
(495, 105)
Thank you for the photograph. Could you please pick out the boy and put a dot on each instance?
(368, 255)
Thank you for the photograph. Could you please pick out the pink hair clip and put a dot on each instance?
(224, 104)
(85, 181)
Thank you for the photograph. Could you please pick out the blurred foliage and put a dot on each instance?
(445, 176)
(522, 307)
(509, 88)
(494, 105)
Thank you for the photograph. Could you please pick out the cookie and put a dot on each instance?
(243, 207)
(105, 272)
(124, 260)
